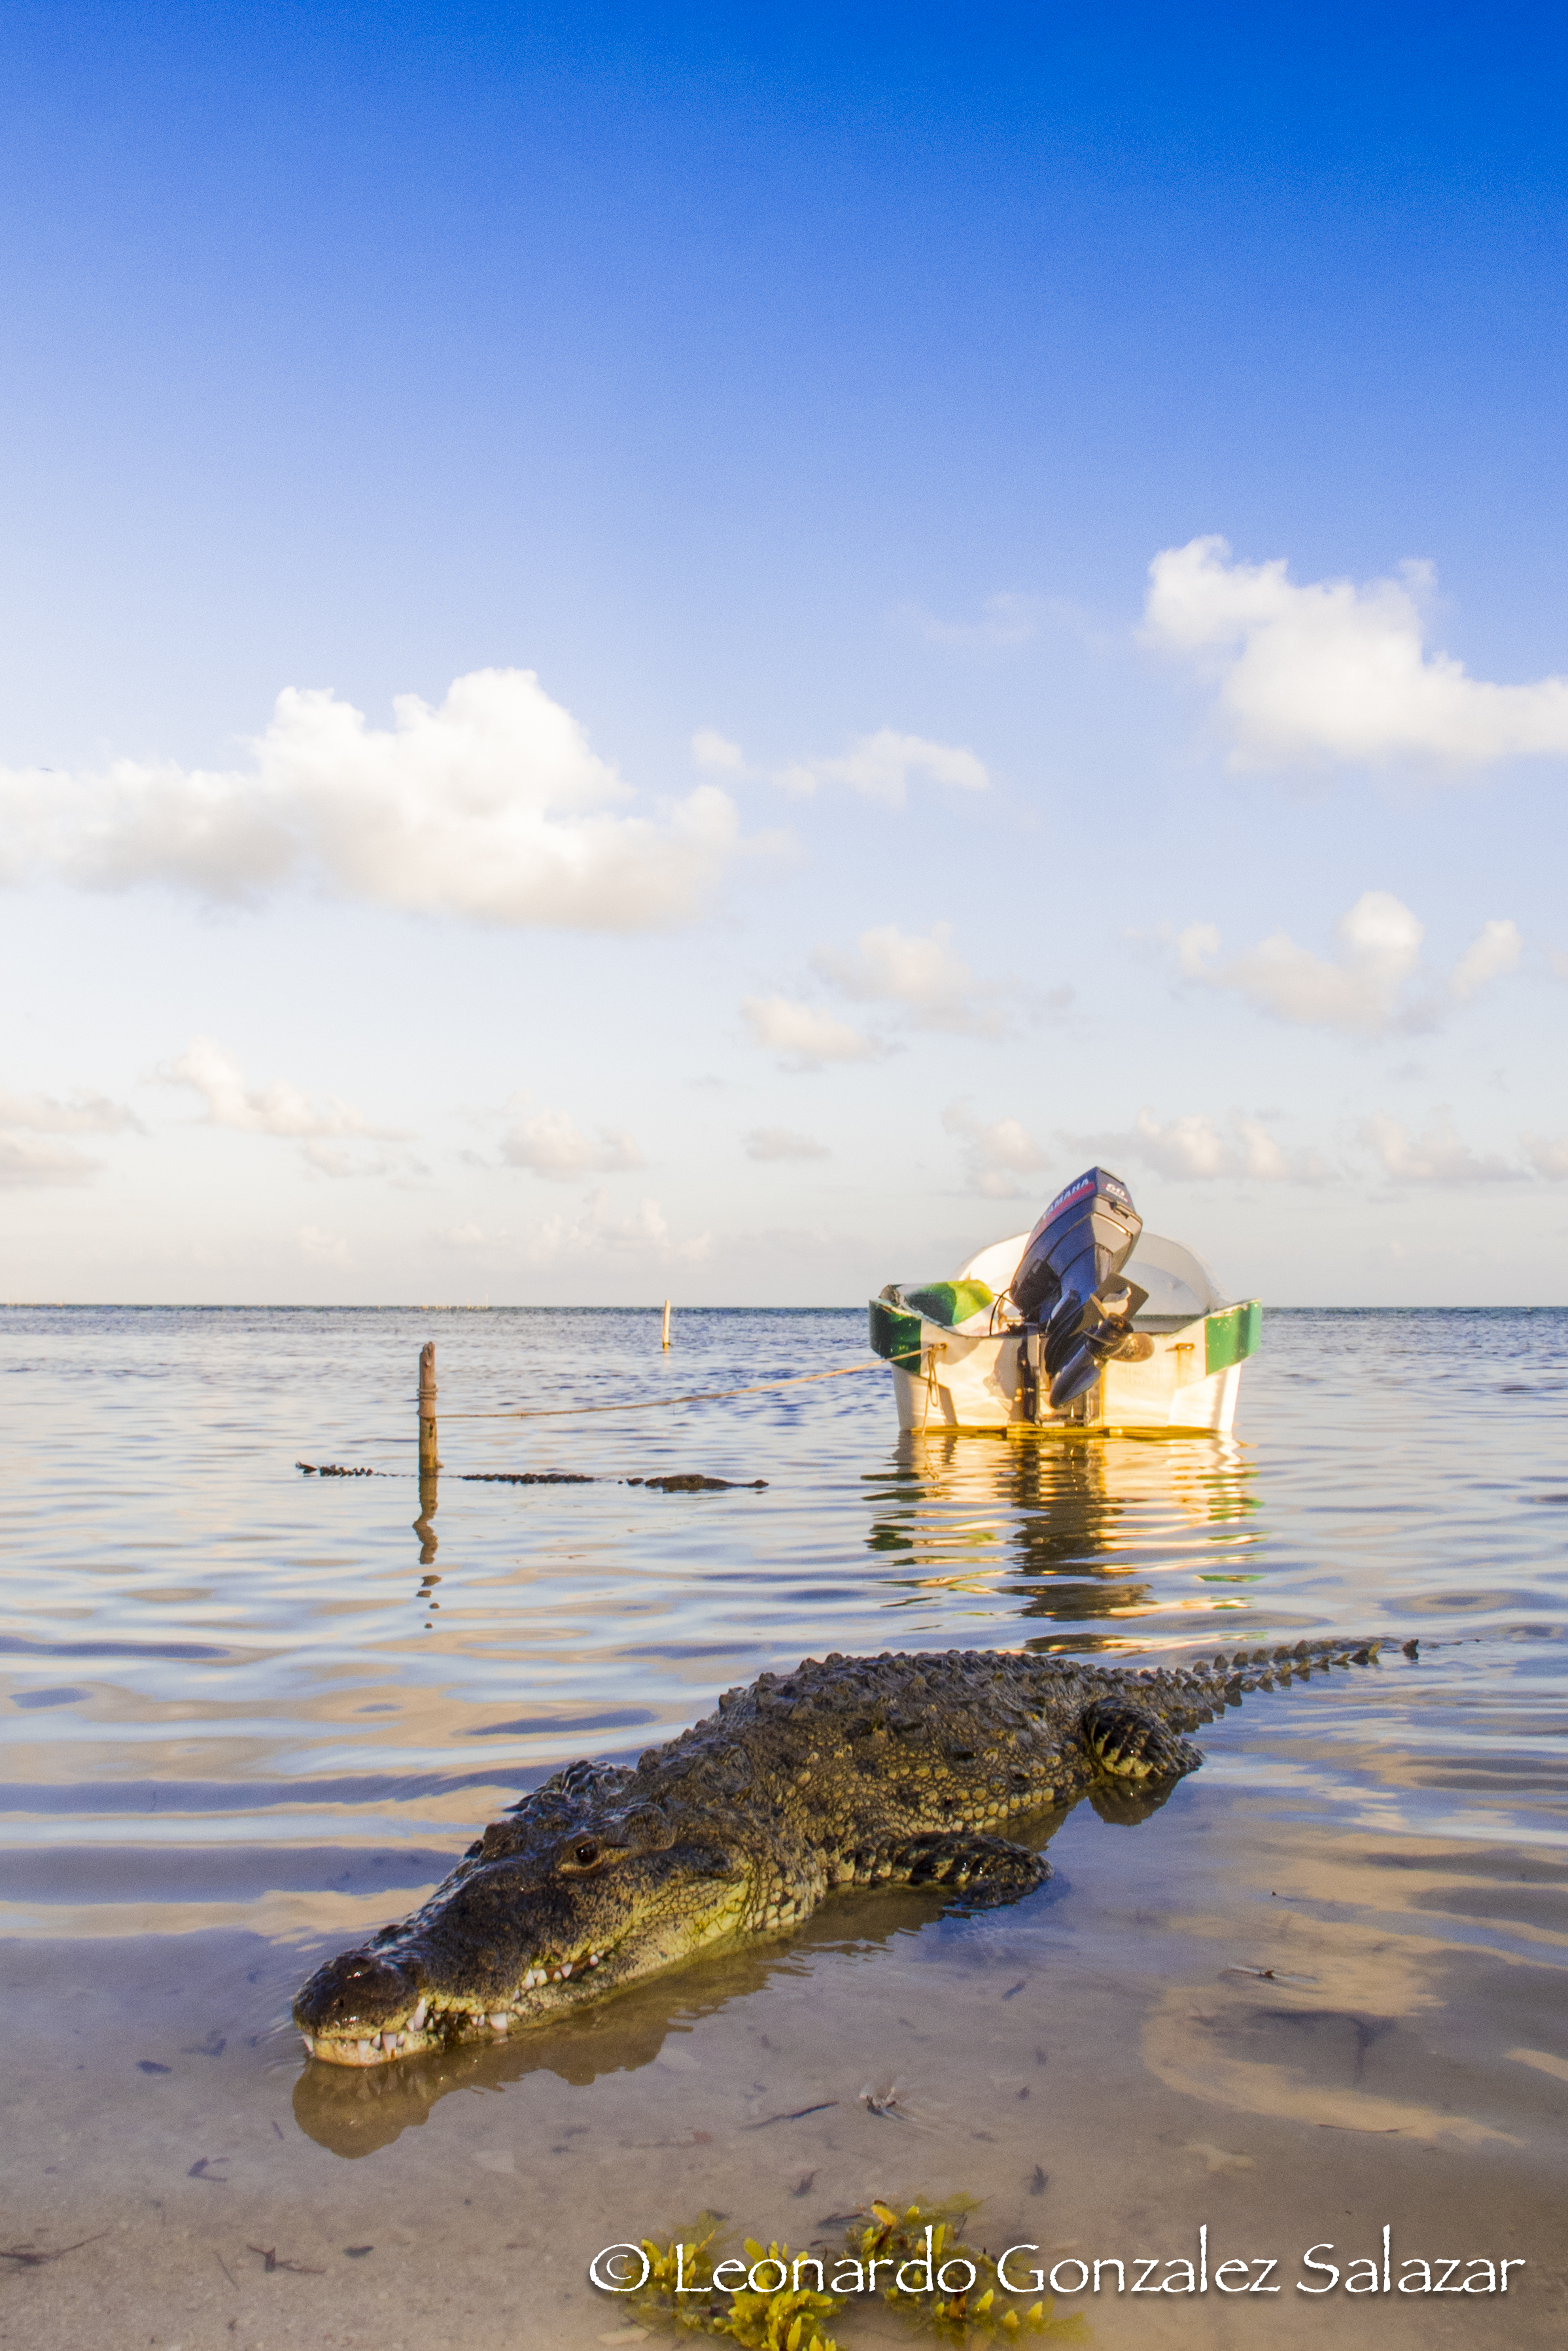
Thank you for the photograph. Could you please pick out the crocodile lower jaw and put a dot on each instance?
(433, 2026)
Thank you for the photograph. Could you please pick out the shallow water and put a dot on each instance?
(251, 1714)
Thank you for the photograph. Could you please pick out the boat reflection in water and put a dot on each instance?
(1090, 1532)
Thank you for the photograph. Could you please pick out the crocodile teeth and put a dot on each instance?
(500, 2023)
(416, 2021)
(367, 2051)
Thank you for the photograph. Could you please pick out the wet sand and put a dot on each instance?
(1104, 2067)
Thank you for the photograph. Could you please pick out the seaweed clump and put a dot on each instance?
(971, 2311)
(786, 2320)
(925, 2238)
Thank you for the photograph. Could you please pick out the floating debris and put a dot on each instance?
(32, 2257)
(524, 1477)
(335, 1470)
(690, 1483)
(796, 2113)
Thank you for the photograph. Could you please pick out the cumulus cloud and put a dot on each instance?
(597, 1231)
(1329, 669)
(1495, 949)
(207, 1070)
(936, 987)
(83, 1114)
(779, 1143)
(1548, 1154)
(26, 1163)
(803, 1038)
(717, 753)
(490, 806)
(1200, 1148)
(1437, 1158)
(881, 765)
(1366, 989)
(551, 1144)
(995, 1155)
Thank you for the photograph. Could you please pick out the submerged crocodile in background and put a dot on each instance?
(857, 1771)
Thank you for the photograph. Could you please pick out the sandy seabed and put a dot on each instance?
(1099, 2067)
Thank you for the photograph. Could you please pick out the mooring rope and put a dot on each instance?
(650, 1404)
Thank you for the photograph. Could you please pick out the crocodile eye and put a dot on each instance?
(580, 1853)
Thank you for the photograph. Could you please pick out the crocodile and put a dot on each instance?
(895, 1769)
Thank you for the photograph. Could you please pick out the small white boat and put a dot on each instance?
(1087, 1322)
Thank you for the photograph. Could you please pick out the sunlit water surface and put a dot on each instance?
(251, 1714)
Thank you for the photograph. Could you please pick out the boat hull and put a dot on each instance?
(1188, 1380)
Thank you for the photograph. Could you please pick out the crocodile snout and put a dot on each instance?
(356, 1995)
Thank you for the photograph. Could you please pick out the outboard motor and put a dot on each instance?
(1066, 1280)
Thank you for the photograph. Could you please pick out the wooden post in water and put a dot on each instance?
(667, 1330)
(427, 1458)
(428, 1464)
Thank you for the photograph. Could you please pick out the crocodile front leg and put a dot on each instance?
(1131, 1744)
(987, 1870)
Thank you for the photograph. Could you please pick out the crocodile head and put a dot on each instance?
(521, 1938)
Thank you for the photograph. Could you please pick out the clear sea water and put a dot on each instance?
(250, 1714)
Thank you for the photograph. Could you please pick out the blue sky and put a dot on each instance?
(803, 402)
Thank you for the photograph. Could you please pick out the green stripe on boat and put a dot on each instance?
(1229, 1338)
(947, 1302)
(893, 1336)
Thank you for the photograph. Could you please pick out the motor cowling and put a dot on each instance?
(1066, 1280)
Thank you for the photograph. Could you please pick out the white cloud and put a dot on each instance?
(936, 988)
(779, 1143)
(278, 1108)
(1366, 989)
(332, 1159)
(1548, 1154)
(318, 1247)
(881, 765)
(804, 1038)
(28, 1165)
(490, 807)
(1495, 949)
(1196, 1147)
(83, 1114)
(596, 1232)
(1559, 962)
(1360, 991)
(717, 753)
(995, 1155)
(553, 1146)
(1437, 1158)
(1331, 670)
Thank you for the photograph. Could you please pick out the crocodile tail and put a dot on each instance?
(1185, 1697)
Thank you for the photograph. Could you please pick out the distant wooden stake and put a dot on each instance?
(666, 1334)
(427, 1455)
